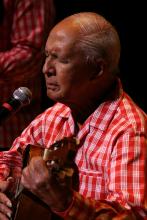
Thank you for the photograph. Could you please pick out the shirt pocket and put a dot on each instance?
(92, 184)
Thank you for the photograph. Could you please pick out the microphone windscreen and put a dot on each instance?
(23, 94)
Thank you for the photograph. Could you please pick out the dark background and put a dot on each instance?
(129, 19)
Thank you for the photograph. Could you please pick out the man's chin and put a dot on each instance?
(56, 97)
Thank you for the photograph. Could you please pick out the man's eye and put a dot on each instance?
(64, 61)
(51, 55)
(54, 56)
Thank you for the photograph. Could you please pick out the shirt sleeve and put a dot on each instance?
(14, 158)
(87, 209)
(31, 23)
(33, 135)
(10, 164)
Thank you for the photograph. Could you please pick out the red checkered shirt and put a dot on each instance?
(111, 158)
(23, 32)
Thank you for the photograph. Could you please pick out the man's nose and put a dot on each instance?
(49, 69)
(48, 64)
(44, 68)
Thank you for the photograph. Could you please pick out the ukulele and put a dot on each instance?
(61, 157)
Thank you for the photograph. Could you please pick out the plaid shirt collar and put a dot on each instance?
(102, 116)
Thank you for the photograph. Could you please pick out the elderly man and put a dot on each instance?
(81, 72)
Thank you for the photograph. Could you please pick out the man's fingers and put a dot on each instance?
(5, 207)
(5, 202)
(3, 217)
(4, 185)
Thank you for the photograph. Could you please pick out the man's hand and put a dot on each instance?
(5, 202)
(41, 181)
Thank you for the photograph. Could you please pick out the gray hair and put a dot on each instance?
(98, 39)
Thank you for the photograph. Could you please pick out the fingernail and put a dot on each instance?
(9, 214)
(9, 204)
(10, 179)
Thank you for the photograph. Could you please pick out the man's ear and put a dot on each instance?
(98, 70)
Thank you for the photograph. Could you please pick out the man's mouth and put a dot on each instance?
(52, 86)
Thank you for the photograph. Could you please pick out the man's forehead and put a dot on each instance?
(63, 35)
(60, 43)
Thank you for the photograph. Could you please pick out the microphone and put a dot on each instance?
(21, 97)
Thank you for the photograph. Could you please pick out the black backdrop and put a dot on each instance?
(129, 19)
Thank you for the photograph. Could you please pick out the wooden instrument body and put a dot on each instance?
(32, 208)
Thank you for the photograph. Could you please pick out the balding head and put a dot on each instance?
(95, 36)
(82, 53)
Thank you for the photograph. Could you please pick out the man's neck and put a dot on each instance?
(82, 111)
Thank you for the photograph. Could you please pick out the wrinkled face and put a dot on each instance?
(66, 72)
